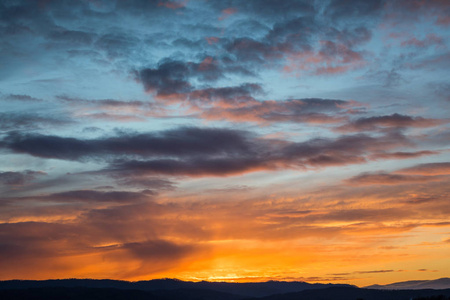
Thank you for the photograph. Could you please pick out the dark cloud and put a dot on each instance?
(389, 121)
(102, 102)
(173, 77)
(293, 44)
(367, 272)
(169, 77)
(19, 121)
(403, 155)
(87, 198)
(269, 9)
(389, 179)
(18, 178)
(284, 38)
(266, 156)
(98, 196)
(47, 146)
(195, 151)
(352, 9)
(18, 97)
(157, 250)
(179, 142)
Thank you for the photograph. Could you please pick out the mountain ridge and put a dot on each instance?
(436, 284)
(246, 289)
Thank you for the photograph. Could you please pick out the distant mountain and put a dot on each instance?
(254, 289)
(331, 293)
(84, 293)
(437, 284)
(354, 293)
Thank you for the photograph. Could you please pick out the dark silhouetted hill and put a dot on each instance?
(438, 284)
(353, 293)
(255, 289)
(333, 293)
(84, 293)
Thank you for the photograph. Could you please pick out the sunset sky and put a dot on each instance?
(225, 140)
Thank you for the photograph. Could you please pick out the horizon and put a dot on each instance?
(237, 140)
(206, 281)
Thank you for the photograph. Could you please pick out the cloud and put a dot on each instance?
(267, 9)
(367, 272)
(316, 111)
(417, 174)
(429, 40)
(226, 96)
(403, 155)
(146, 182)
(430, 169)
(157, 250)
(227, 12)
(19, 121)
(389, 179)
(98, 196)
(403, 11)
(389, 121)
(387, 78)
(191, 167)
(18, 178)
(339, 10)
(72, 37)
(198, 152)
(266, 156)
(169, 77)
(20, 97)
(112, 109)
(172, 77)
(83, 199)
(187, 141)
(172, 4)
(104, 103)
(24, 242)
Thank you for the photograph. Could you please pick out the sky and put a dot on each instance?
(225, 140)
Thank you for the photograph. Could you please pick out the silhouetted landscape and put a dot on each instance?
(168, 289)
